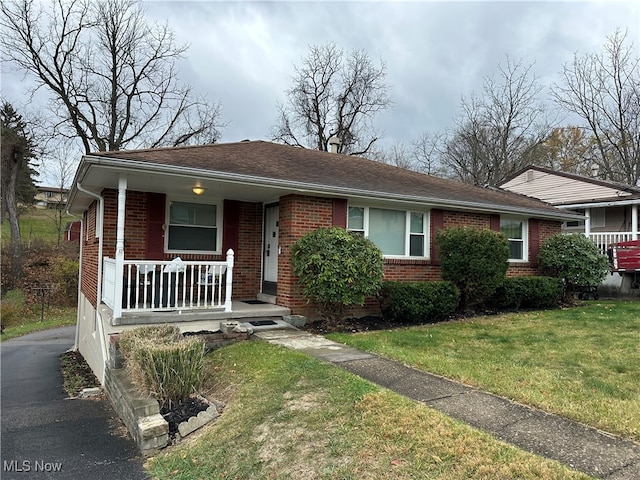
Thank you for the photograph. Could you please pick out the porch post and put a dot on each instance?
(587, 222)
(122, 199)
(634, 221)
(227, 295)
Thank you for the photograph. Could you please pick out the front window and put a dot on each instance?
(516, 232)
(397, 233)
(193, 227)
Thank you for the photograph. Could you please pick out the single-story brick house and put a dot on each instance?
(201, 233)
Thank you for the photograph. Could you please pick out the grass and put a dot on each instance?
(289, 416)
(36, 224)
(582, 363)
(30, 321)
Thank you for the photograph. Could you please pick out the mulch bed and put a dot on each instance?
(354, 325)
(182, 412)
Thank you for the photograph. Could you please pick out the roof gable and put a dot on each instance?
(560, 188)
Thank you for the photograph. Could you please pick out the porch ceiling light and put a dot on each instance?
(198, 190)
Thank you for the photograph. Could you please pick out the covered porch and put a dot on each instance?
(197, 320)
(139, 292)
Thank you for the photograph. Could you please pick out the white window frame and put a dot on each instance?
(407, 233)
(218, 226)
(524, 239)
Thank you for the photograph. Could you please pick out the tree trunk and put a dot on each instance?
(14, 224)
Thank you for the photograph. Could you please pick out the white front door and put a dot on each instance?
(271, 250)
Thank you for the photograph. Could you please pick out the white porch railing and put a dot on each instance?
(152, 285)
(604, 239)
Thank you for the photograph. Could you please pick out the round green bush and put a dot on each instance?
(474, 260)
(336, 269)
(575, 259)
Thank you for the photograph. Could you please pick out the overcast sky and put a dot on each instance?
(242, 53)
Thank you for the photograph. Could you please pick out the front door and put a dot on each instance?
(270, 250)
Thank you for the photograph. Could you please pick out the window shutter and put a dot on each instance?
(534, 241)
(437, 223)
(339, 212)
(230, 226)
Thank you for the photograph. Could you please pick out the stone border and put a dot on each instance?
(140, 414)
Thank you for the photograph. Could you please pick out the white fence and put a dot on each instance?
(604, 239)
(152, 285)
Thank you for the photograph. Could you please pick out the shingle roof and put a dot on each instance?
(624, 187)
(328, 171)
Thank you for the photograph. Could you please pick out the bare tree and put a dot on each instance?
(426, 151)
(17, 150)
(396, 155)
(60, 166)
(333, 96)
(604, 90)
(111, 76)
(500, 132)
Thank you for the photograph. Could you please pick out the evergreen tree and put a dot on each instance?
(18, 150)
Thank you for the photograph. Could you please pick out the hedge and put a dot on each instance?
(418, 302)
(528, 292)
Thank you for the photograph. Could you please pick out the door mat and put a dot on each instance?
(260, 323)
(254, 302)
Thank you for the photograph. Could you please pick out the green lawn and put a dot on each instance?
(37, 224)
(582, 363)
(34, 320)
(289, 416)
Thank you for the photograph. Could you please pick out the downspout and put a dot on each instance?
(99, 225)
(77, 340)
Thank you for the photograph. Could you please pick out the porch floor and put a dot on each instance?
(194, 320)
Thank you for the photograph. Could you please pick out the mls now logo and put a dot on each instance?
(29, 466)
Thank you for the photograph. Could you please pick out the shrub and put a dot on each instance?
(528, 292)
(476, 261)
(64, 273)
(13, 307)
(575, 259)
(418, 302)
(337, 269)
(163, 364)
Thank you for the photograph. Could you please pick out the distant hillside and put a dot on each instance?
(36, 225)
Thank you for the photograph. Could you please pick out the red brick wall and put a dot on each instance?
(246, 275)
(90, 249)
(247, 269)
(301, 214)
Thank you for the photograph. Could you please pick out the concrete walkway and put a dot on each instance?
(580, 447)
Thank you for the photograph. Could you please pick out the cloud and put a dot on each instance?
(242, 53)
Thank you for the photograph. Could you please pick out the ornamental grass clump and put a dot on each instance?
(164, 364)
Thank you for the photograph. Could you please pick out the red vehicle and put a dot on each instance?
(625, 259)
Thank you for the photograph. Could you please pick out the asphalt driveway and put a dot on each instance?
(47, 435)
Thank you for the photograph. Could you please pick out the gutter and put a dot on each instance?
(610, 203)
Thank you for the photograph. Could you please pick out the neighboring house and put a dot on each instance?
(610, 210)
(194, 235)
(72, 231)
(51, 197)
